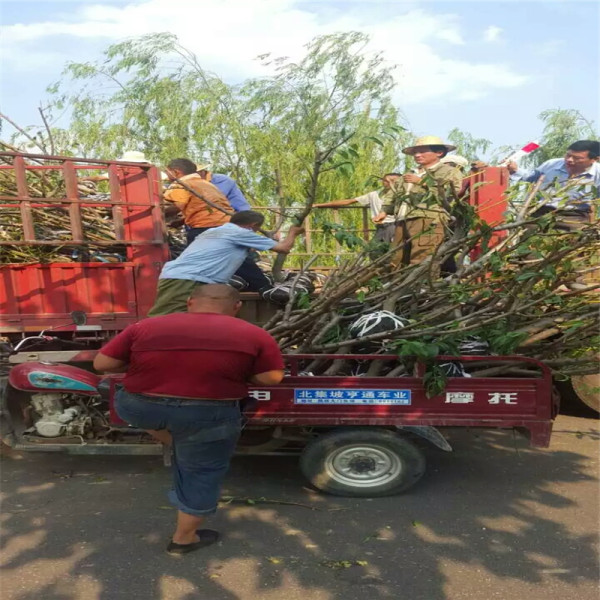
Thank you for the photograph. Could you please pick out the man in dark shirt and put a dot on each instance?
(226, 184)
(185, 376)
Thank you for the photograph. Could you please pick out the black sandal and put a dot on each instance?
(207, 537)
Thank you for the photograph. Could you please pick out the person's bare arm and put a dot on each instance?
(335, 203)
(108, 364)
(285, 245)
(267, 378)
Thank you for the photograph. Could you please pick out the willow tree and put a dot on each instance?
(562, 127)
(331, 108)
(467, 145)
(326, 124)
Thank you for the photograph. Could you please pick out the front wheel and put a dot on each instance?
(362, 462)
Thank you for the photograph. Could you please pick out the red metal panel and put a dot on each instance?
(524, 402)
(523, 395)
(39, 295)
(144, 224)
(488, 194)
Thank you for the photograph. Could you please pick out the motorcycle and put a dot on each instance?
(51, 406)
(54, 406)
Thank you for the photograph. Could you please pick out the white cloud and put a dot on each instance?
(227, 35)
(492, 33)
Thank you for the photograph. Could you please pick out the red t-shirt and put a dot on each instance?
(194, 355)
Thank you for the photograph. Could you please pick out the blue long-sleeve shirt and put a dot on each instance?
(231, 190)
(582, 189)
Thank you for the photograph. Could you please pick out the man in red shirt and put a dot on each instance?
(185, 376)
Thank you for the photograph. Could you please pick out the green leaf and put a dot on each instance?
(375, 139)
(303, 300)
(526, 275)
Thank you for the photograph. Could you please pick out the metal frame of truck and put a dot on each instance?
(353, 433)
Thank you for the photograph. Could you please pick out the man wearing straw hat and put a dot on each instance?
(421, 202)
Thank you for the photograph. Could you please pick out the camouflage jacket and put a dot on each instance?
(428, 199)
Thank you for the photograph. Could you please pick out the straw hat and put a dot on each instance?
(428, 140)
(133, 156)
(203, 166)
(459, 161)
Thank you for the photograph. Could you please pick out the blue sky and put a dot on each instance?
(487, 67)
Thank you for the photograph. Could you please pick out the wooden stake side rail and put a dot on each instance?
(36, 295)
(145, 203)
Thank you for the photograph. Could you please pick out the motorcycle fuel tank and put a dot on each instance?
(36, 376)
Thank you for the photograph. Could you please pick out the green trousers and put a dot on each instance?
(172, 296)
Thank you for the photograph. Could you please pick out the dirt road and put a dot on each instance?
(493, 519)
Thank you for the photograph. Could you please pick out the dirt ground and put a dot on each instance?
(493, 519)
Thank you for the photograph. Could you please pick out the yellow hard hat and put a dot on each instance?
(428, 140)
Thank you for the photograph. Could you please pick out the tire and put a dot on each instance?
(587, 389)
(362, 463)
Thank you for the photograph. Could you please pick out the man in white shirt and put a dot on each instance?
(576, 179)
(384, 231)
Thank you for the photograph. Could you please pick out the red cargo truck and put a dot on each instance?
(353, 433)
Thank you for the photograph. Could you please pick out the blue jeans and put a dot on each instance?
(205, 433)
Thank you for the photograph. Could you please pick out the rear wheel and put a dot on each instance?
(587, 389)
(362, 463)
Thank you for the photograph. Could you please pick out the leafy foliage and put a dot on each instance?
(467, 145)
(524, 286)
(562, 127)
(153, 95)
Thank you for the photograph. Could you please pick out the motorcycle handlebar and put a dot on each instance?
(46, 338)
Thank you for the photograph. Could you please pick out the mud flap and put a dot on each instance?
(431, 434)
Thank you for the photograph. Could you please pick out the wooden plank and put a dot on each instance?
(115, 194)
(70, 176)
(25, 204)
